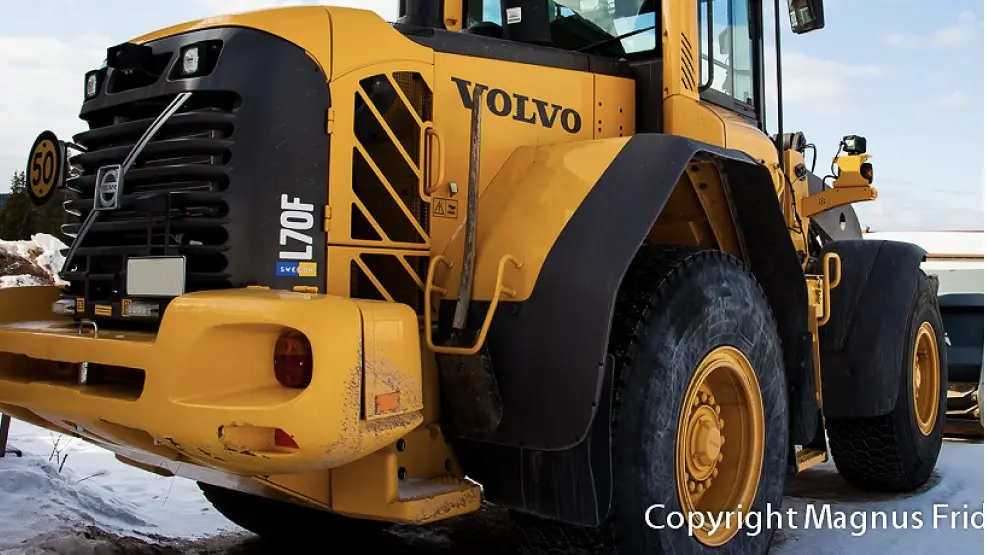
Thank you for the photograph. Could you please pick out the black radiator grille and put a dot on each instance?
(174, 199)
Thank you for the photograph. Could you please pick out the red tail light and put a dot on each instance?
(283, 440)
(293, 360)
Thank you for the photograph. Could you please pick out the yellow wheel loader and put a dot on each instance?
(347, 272)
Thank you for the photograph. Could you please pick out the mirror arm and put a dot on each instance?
(781, 126)
(709, 48)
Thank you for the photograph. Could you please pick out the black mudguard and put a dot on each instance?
(861, 346)
(550, 455)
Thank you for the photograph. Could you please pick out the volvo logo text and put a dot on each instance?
(521, 108)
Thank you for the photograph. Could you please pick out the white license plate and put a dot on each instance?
(156, 276)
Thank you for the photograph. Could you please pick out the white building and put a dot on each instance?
(957, 257)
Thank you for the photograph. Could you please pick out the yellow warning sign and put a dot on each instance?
(445, 208)
(44, 168)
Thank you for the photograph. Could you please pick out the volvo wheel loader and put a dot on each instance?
(346, 272)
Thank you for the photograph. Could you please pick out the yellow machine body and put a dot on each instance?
(199, 397)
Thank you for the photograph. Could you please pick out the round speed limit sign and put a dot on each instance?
(45, 168)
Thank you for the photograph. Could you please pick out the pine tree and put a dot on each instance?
(15, 214)
(20, 218)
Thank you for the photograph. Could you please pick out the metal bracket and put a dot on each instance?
(830, 283)
(84, 323)
(834, 197)
(499, 289)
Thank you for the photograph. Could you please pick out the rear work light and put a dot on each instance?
(293, 360)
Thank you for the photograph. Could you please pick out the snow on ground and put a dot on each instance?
(95, 500)
(918, 523)
(92, 488)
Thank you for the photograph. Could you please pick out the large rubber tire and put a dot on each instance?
(675, 306)
(272, 519)
(889, 452)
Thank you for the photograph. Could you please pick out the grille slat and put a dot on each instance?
(214, 278)
(156, 149)
(174, 199)
(138, 250)
(130, 132)
(141, 222)
(171, 176)
(181, 198)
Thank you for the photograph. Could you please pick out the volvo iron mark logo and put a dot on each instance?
(108, 183)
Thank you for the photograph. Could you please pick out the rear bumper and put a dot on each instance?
(208, 394)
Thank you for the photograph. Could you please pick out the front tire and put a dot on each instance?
(700, 411)
(898, 451)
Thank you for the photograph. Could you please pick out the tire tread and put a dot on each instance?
(872, 453)
(866, 451)
(643, 287)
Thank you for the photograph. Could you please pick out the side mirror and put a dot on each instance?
(806, 15)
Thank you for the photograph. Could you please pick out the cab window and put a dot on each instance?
(595, 26)
(732, 83)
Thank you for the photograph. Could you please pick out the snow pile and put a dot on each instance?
(30, 485)
(33, 262)
(63, 490)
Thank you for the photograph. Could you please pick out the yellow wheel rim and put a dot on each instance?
(719, 447)
(925, 378)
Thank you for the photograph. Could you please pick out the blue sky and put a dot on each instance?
(909, 76)
(906, 74)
